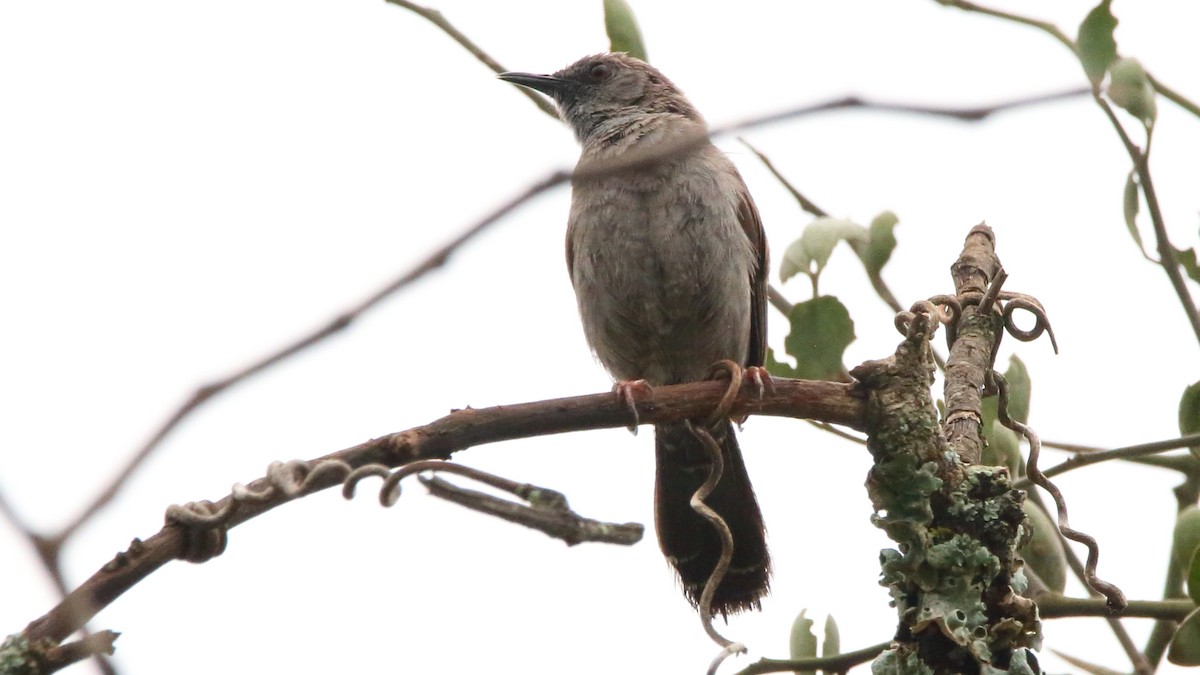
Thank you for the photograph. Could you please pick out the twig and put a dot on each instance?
(1136, 658)
(560, 523)
(441, 255)
(338, 324)
(1055, 606)
(1140, 160)
(1045, 26)
(805, 202)
(1166, 251)
(1095, 456)
(778, 301)
(829, 401)
(435, 17)
(830, 664)
(57, 658)
(1174, 96)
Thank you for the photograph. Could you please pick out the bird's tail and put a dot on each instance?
(690, 543)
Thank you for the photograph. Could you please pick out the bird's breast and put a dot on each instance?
(661, 270)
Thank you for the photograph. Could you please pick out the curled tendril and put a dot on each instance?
(1015, 301)
(351, 482)
(726, 652)
(204, 525)
(949, 311)
(1113, 595)
(715, 469)
(725, 405)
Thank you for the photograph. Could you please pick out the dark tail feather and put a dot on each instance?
(689, 542)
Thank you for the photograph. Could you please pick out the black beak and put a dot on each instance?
(547, 84)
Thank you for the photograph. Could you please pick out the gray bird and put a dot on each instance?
(669, 264)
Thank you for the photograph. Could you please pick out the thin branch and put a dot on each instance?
(1055, 606)
(1174, 96)
(1136, 658)
(203, 535)
(1044, 26)
(336, 325)
(778, 301)
(830, 664)
(441, 255)
(98, 645)
(554, 520)
(877, 282)
(805, 203)
(824, 426)
(1053, 31)
(1166, 251)
(435, 17)
(1097, 456)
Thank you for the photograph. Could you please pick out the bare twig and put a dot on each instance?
(435, 17)
(336, 325)
(1140, 159)
(441, 255)
(1166, 250)
(202, 535)
(830, 664)
(805, 203)
(57, 658)
(1095, 456)
(1055, 606)
(560, 523)
(1174, 96)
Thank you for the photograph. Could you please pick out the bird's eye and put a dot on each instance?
(599, 72)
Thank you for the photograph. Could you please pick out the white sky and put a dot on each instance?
(185, 186)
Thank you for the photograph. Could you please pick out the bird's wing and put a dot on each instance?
(752, 226)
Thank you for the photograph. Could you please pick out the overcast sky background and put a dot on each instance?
(185, 187)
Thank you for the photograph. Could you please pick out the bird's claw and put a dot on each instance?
(627, 392)
(763, 383)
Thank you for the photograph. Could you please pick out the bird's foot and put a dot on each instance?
(627, 392)
(763, 384)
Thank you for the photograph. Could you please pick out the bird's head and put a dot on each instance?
(601, 94)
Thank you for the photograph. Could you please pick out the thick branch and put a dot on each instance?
(972, 347)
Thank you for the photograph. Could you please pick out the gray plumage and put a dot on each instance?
(668, 262)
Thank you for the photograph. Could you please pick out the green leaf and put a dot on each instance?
(1187, 260)
(1044, 551)
(880, 243)
(1186, 537)
(779, 368)
(1019, 389)
(1003, 445)
(622, 29)
(1189, 413)
(1132, 204)
(1193, 577)
(821, 330)
(1130, 88)
(832, 646)
(1189, 410)
(1185, 646)
(1096, 45)
(809, 254)
(803, 643)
